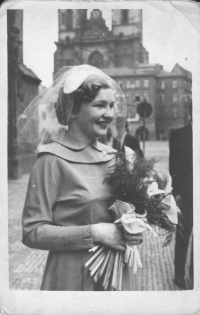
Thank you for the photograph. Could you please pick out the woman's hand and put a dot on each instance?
(131, 239)
(109, 235)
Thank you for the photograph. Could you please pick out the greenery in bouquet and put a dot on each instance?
(131, 183)
(143, 199)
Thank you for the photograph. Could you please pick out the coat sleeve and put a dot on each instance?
(174, 163)
(38, 230)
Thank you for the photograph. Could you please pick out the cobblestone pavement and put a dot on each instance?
(26, 265)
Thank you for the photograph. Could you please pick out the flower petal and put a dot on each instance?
(172, 213)
(120, 207)
(153, 189)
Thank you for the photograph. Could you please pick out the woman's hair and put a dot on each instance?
(88, 91)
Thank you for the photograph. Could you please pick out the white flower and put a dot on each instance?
(153, 190)
(172, 213)
(134, 225)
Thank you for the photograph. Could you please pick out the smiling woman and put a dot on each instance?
(67, 201)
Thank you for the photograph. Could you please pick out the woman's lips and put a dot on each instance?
(104, 124)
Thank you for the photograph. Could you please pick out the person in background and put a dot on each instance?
(132, 142)
(181, 170)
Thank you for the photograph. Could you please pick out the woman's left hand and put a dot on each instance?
(131, 239)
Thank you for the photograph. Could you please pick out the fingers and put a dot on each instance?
(131, 259)
(127, 254)
(133, 239)
(119, 225)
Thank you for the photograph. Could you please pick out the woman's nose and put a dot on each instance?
(109, 112)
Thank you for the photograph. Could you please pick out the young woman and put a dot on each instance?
(67, 202)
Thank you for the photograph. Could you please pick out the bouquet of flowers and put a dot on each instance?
(143, 199)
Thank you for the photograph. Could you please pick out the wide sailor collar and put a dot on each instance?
(73, 150)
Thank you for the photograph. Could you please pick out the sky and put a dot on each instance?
(168, 36)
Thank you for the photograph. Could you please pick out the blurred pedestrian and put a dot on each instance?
(132, 142)
(181, 170)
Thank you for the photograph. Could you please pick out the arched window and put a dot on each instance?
(96, 59)
(69, 19)
(124, 16)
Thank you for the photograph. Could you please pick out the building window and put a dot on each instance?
(146, 97)
(132, 84)
(96, 59)
(137, 97)
(162, 98)
(185, 85)
(175, 98)
(62, 18)
(137, 83)
(124, 16)
(146, 83)
(69, 19)
(128, 84)
(95, 14)
(175, 112)
(174, 84)
(162, 84)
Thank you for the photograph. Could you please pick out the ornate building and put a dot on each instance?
(22, 88)
(169, 94)
(119, 52)
(89, 41)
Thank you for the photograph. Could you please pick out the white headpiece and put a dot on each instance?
(40, 124)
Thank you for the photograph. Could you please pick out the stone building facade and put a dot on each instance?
(119, 52)
(89, 41)
(22, 88)
(173, 98)
(169, 94)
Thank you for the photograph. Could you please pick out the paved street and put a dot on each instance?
(27, 265)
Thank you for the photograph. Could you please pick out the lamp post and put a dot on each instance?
(144, 109)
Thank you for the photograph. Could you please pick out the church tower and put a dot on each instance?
(84, 40)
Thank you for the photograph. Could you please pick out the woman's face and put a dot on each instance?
(94, 118)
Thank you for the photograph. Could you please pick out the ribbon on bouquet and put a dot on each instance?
(133, 223)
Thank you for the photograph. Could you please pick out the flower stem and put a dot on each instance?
(119, 284)
(102, 254)
(93, 257)
(114, 277)
(98, 264)
(103, 266)
(108, 270)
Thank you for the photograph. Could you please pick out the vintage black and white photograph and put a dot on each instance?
(100, 133)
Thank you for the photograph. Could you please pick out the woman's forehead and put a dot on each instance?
(106, 95)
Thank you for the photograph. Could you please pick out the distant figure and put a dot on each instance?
(181, 170)
(132, 142)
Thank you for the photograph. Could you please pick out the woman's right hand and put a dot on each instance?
(109, 235)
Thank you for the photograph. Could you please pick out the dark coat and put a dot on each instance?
(133, 143)
(181, 164)
(181, 170)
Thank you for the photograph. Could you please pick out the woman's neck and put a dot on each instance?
(76, 133)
